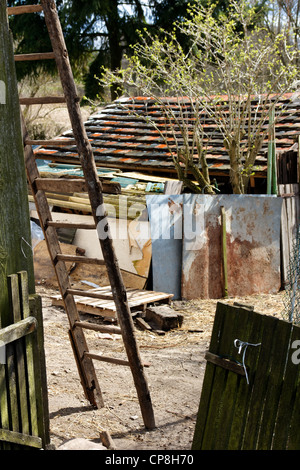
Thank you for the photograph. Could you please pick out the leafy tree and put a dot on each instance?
(230, 61)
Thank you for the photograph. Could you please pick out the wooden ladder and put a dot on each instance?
(94, 187)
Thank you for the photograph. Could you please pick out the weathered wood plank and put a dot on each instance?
(32, 363)
(225, 363)
(244, 391)
(278, 355)
(20, 360)
(42, 403)
(208, 382)
(19, 330)
(240, 331)
(216, 401)
(291, 382)
(260, 383)
(20, 439)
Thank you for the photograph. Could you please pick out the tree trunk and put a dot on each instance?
(15, 233)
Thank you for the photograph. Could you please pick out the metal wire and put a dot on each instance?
(291, 297)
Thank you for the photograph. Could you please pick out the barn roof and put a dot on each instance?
(122, 138)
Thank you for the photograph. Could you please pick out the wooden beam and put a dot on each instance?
(225, 363)
(224, 251)
(20, 439)
(24, 9)
(18, 330)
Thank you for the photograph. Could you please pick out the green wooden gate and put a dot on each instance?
(251, 391)
(23, 398)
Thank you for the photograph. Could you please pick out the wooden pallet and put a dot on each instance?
(137, 299)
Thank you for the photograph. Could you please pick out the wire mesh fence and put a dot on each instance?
(291, 299)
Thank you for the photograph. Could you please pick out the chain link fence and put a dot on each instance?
(291, 297)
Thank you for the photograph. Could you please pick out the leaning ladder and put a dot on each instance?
(93, 186)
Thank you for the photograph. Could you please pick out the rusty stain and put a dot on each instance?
(253, 249)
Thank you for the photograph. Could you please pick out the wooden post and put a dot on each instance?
(270, 157)
(15, 234)
(96, 197)
(272, 163)
(224, 251)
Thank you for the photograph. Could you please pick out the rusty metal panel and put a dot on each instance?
(252, 243)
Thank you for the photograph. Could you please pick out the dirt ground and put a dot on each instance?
(175, 377)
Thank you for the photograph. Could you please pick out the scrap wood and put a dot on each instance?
(164, 317)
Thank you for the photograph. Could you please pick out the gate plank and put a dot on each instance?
(207, 382)
(240, 331)
(244, 391)
(19, 438)
(260, 384)
(289, 391)
(216, 400)
(13, 289)
(32, 366)
(278, 354)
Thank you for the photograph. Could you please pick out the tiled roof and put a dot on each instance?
(124, 139)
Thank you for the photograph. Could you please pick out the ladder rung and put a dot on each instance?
(94, 295)
(111, 360)
(57, 142)
(35, 56)
(42, 100)
(73, 185)
(76, 225)
(24, 9)
(61, 184)
(80, 259)
(101, 328)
